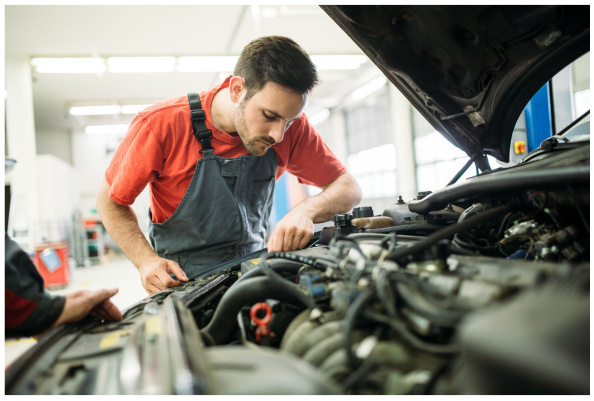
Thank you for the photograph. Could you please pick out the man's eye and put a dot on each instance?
(269, 117)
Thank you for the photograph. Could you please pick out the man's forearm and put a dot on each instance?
(340, 196)
(122, 224)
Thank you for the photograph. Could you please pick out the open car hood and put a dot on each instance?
(469, 70)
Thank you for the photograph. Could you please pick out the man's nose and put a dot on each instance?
(277, 132)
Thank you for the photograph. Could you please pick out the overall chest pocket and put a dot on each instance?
(259, 204)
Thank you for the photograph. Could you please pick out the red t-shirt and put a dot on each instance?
(160, 149)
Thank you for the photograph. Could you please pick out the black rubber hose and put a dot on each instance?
(402, 330)
(281, 281)
(464, 241)
(449, 231)
(413, 229)
(349, 324)
(369, 362)
(504, 182)
(416, 300)
(293, 257)
(248, 292)
(276, 265)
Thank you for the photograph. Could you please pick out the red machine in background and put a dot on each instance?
(52, 262)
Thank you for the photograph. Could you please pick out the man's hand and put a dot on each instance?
(82, 303)
(155, 275)
(121, 223)
(95, 303)
(296, 229)
(293, 232)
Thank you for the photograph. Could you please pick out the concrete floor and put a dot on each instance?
(115, 270)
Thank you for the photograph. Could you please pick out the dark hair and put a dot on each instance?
(277, 59)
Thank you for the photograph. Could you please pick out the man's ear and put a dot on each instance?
(236, 88)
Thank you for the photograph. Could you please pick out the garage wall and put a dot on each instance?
(58, 198)
(54, 142)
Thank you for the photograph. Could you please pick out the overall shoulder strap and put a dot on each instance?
(201, 132)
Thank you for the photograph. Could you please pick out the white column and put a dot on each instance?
(338, 142)
(20, 139)
(402, 137)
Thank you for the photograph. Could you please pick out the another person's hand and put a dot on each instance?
(293, 232)
(82, 303)
(155, 275)
(95, 303)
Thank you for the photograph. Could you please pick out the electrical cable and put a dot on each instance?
(500, 231)
(418, 302)
(241, 326)
(385, 294)
(414, 229)
(449, 231)
(314, 262)
(465, 241)
(401, 329)
(284, 265)
(292, 288)
(349, 324)
(350, 240)
(356, 376)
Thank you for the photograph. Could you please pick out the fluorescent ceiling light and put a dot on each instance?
(133, 108)
(369, 88)
(338, 62)
(319, 117)
(291, 11)
(168, 64)
(111, 109)
(140, 64)
(94, 110)
(83, 65)
(106, 129)
(206, 63)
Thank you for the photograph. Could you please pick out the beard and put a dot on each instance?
(251, 143)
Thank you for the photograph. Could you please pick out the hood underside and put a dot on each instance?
(469, 70)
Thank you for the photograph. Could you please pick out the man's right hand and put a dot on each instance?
(155, 275)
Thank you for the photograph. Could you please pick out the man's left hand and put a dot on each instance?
(293, 232)
(296, 229)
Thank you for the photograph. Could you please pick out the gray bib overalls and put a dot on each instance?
(224, 212)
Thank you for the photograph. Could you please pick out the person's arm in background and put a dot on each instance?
(30, 310)
(295, 229)
(122, 225)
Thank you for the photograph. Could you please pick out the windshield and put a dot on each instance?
(579, 131)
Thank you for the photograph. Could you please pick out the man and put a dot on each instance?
(32, 311)
(211, 162)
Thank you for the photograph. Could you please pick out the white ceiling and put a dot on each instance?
(146, 30)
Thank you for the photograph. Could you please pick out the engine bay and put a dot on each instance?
(485, 293)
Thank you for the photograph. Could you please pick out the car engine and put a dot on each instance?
(409, 303)
(479, 288)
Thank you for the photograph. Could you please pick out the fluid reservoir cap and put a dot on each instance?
(342, 219)
(363, 211)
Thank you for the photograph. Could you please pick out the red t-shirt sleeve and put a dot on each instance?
(311, 160)
(137, 161)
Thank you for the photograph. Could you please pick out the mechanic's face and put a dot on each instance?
(262, 121)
